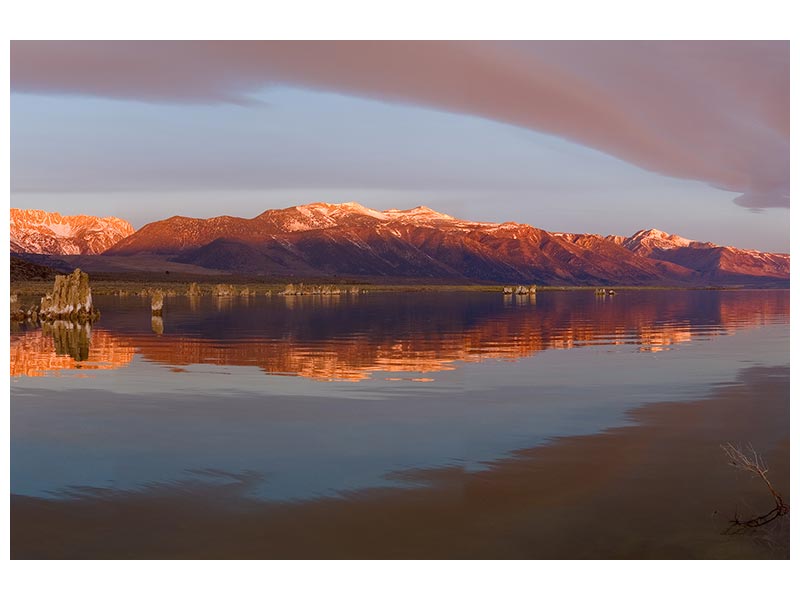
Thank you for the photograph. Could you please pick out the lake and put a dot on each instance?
(401, 425)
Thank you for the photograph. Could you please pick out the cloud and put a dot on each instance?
(716, 112)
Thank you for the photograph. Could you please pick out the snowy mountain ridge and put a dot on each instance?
(40, 232)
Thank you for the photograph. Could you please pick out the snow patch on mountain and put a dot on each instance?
(41, 232)
(644, 241)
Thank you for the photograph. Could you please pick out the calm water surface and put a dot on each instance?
(317, 397)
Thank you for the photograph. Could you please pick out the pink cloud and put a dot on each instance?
(710, 111)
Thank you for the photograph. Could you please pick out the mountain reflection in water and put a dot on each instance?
(350, 337)
(63, 346)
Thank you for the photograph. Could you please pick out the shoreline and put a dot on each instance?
(103, 287)
(656, 488)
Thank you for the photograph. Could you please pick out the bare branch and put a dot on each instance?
(750, 461)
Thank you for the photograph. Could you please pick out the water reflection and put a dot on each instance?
(69, 338)
(62, 346)
(157, 325)
(350, 337)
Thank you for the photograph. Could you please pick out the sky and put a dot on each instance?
(605, 137)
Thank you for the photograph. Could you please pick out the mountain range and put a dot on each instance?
(41, 232)
(350, 240)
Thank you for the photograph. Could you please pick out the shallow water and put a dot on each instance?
(322, 396)
(425, 425)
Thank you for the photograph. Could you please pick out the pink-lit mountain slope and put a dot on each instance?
(717, 263)
(41, 232)
(320, 239)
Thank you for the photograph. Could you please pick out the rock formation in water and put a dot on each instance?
(194, 289)
(222, 289)
(520, 290)
(302, 289)
(157, 302)
(20, 313)
(71, 299)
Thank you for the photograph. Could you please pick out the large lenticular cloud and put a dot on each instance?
(711, 111)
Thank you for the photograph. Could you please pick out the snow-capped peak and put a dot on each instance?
(41, 232)
(646, 240)
(323, 215)
(418, 213)
(658, 236)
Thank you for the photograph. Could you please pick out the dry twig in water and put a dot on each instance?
(751, 462)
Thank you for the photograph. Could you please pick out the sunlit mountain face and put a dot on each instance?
(362, 337)
(318, 240)
(42, 232)
(325, 240)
